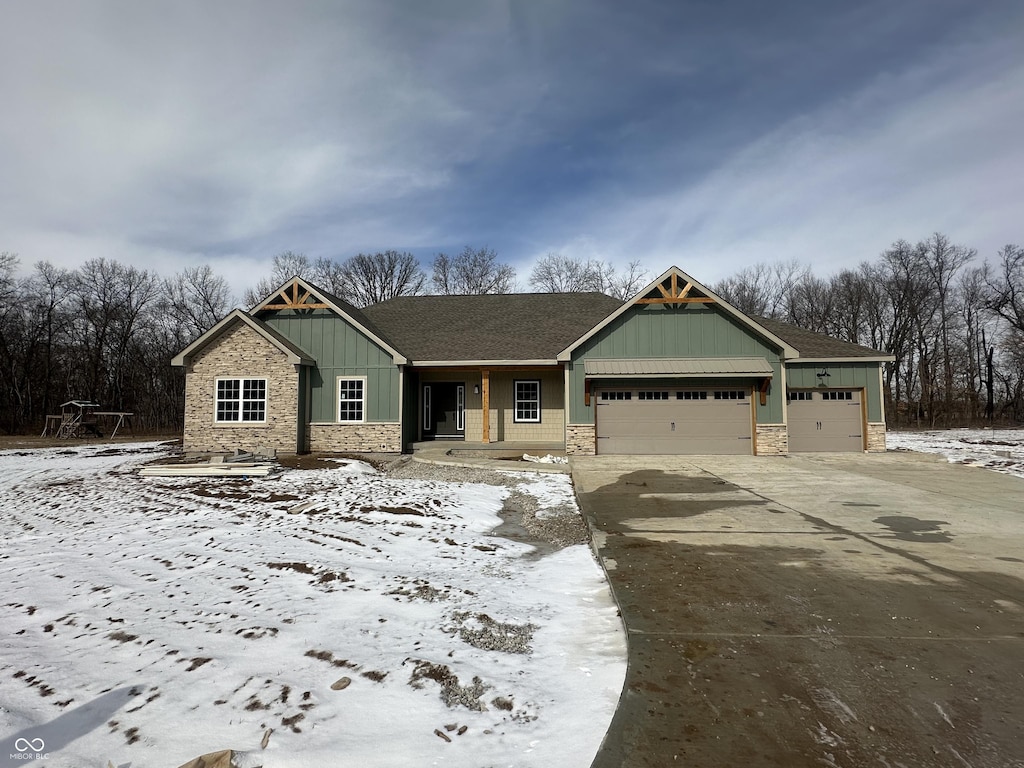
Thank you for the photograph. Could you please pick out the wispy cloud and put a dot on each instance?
(709, 135)
(933, 148)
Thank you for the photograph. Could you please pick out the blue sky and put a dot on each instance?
(711, 135)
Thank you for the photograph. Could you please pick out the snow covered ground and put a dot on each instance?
(1001, 450)
(357, 618)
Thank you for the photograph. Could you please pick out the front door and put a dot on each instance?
(444, 410)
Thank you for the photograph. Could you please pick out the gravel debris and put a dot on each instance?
(555, 527)
(481, 631)
(452, 694)
(445, 473)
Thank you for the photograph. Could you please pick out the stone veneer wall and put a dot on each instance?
(772, 440)
(580, 440)
(241, 353)
(876, 437)
(370, 436)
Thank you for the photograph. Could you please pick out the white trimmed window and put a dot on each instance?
(352, 399)
(527, 401)
(241, 400)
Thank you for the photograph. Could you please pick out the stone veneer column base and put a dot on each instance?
(580, 440)
(772, 440)
(876, 437)
(363, 438)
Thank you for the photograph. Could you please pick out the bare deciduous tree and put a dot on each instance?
(370, 278)
(475, 271)
(286, 265)
(1005, 282)
(763, 289)
(556, 273)
(625, 283)
(195, 299)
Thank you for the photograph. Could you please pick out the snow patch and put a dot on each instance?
(346, 611)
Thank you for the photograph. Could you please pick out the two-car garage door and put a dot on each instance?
(674, 421)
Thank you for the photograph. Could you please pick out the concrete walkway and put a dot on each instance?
(508, 459)
(836, 610)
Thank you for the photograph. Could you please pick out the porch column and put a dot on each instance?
(485, 395)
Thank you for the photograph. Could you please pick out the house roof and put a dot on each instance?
(515, 328)
(817, 346)
(492, 327)
(294, 354)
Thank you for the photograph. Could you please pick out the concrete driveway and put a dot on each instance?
(836, 610)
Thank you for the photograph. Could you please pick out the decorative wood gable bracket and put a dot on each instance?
(294, 296)
(670, 292)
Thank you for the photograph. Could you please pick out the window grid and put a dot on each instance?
(652, 395)
(833, 395)
(801, 395)
(527, 401)
(617, 395)
(350, 400)
(731, 394)
(692, 395)
(241, 400)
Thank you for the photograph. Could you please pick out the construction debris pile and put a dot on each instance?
(261, 463)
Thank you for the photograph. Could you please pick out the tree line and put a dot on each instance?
(106, 331)
(368, 279)
(954, 325)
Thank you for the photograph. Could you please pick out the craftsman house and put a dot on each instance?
(674, 370)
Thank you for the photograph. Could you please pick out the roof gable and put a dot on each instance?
(301, 297)
(295, 355)
(674, 288)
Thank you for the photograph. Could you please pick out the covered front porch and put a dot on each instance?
(505, 406)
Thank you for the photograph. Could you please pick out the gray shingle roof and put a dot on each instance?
(813, 345)
(522, 326)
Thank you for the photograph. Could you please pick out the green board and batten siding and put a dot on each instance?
(653, 331)
(840, 376)
(341, 350)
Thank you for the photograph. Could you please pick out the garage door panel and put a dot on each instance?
(675, 425)
(817, 424)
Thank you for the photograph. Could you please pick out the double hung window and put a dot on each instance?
(351, 400)
(527, 401)
(241, 400)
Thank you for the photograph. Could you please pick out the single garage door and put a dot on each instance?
(674, 421)
(828, 420)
